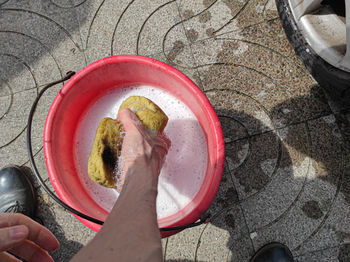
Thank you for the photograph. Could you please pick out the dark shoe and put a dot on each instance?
(273, 252)
(16, 192)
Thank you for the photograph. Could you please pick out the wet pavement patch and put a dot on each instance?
(176, 50)
(230, 220)
(312, 209)
(192, 35)
(344, 253)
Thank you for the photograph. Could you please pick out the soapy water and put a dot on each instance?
(186, 162)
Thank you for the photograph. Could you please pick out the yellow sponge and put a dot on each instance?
(103, 159)
(148, 112)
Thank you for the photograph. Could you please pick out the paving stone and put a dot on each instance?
(5, 103)
(341, 254)
(272, 184)
(226, 196)
(222, 235)
(263, 75)
(40, 164)
(334, 232)
(98, 22)
(243, 111)
(106, 29)
(164, 245)
(335, 229)
(241, 250)
(87, 16)
(24, 78)
(256, 11)
(15, 153)
(51, 11)
(269, 34)
(147, 17)
(252, 165)
(27, 51)
(15, 120)
(64, 4)
(71, 234)
(203, 18)
(48, 68)
(45, 36)
(151, 37)
(181, 60)
(69, 231)
(42, 110)
(182, 246)
(310, 208)
(232, 129)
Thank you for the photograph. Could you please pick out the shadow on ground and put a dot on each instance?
(322, 146)
(68, 248)
(31, 30)
(320, 143)
(46, 216)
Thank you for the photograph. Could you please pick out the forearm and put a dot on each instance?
(130, 232)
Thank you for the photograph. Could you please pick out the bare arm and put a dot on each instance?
(131, 232)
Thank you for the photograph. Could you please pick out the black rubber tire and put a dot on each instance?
(334, 81)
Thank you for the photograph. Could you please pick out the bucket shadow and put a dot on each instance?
(247, 179)
(68, 248)
(45, 215)
(255, 158)
(333, 135)
(252, 153)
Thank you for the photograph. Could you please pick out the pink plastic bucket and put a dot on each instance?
(84, 89)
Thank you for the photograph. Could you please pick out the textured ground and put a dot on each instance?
(287, 165)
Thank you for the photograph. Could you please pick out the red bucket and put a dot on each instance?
(99, 78)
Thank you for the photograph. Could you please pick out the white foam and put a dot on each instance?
(185, 166)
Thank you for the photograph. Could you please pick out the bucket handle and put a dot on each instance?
(204, 219)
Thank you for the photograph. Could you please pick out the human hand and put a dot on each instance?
(25, 238)
(142, 148)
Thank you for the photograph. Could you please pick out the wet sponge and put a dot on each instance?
(103, 160)
(148, 112)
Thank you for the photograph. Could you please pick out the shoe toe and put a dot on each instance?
(16, 191)
(273, 252)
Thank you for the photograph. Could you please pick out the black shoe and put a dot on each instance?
(273, 252)
(17, 193)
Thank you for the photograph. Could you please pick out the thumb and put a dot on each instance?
(12, 236)
(130, 121)
(126, 114)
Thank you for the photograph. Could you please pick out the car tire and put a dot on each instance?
(334, 81)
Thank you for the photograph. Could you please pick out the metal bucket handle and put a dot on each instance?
(204, 219)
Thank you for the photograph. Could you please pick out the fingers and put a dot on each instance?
(6, 257)
(31, 252)
(120, 185)
(165, 140)
(162, 144)
(14, 232)
(12, 236)
(128, 119)
(37, 233)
